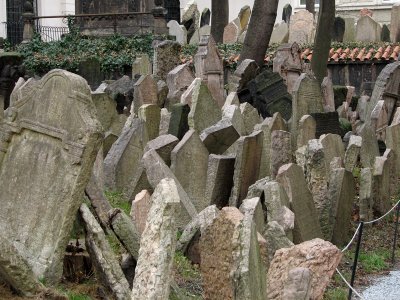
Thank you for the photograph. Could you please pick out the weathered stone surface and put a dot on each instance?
(106, 109)
(327, 123)
(232, 113)
(187, 95)
(231, 266)
(178, 124)
(366, 194)
(204, 111)
(368, 30)
(178, 81)
(209, 68)
(121, 91)
(156, 170)
(165, 119)
(108, 270)
(190, 18)
(140, 209)
(391, 162)
(280, 34)
(395, 23)
(281, 150)
(162, 90)
(268, 93)
(302, 27)
(205, 17)
(381, 186)
(298, 284)
(276, 239)
(142, 65)
(350, 31)
(166, 58)
(145, 92)
(319, 256)
(333, 147)
(328, 94)
(189, 161)
(231, 99)
(124, 155)
(352, 152)
(247, 166)
(231, 32)
(150, 114)
(198, 224)
(49, 140)
(164, 144)
(244, 16)
(339, 27)
(246, 71)
(306, 131)
(380, 119)
(220, 137)
(158, 243)
(341, 195)
(252, 208)
(369, 149)
(219, 179)
(306, 225)
(250, 117)
(392, 142)
(111, 136)
(179, 31)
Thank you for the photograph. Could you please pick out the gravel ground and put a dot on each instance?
(384, 288)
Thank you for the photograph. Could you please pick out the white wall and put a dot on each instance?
(3, 18)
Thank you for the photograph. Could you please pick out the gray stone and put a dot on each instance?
(233, 114)
(368, 30)
(231, 99)
(244, 17)
(280, 34)
(154, 266)
(140, 209)
(281, 150)
(142, 65)
(391, 162)
(106, 109)
(252, 208)
(302, 27)
(339, 27)
(179, 31)
(352, 152)
(150, 114)
(146, 92)
(231, 32)
(369, 149)
(366, 194)
(190, 18)
(204, 111)
(187, 95)
(156, 170)
(385, 33)
(333, 147)
(307, 129)
(219, 179)
(49, 140)
(245, 72)
(121, 91)
(124, 155)
(162, 90)
(178, 124)
(276, 239)
(165, 119)
(178, 81)
(209, 68)
(166, 58)
(306, 225)
(250, 117)
(103, 257)
(350, 31)
(220, 137)
(380, 119)
(189, 162)
(328, 94)
(381, 186)
(341, 196)
(164, 144)
(205, 17)
(247, 166)
(298, 284)
(395, 23)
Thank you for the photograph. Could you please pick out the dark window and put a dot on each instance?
(15, 24)
(174, 10)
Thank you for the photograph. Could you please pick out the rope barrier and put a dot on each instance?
(349, 285)
(351, 241)
(374, 221)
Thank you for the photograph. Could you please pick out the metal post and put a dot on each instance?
(353, 274)
(395, 233)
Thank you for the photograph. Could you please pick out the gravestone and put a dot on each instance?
(366, 194)
(189, 161)
(381, 186)
(244, 17)
(298, 284)
(339, 27)
(205, 17)
(90, 69)
(306, 225)
(302, 27)
(385, 34)
(204, 111)
(333, 147)
(280, 34)
(247, 166)
(368, 30)
(219, 179)
(287, 13)
(395, 23)
(380, 119)
(157, 246)
(352, 152)
(307, 128)
(246, 71)
(327, 123)
(140, 209)
(150, 114)
(350, 30)
(186, 97)
(178, 81)
(328, 94)
(178, 124)
(142, 65)
(49, 141)
(209, 68)
(178, 31)
(231, 33)
(232, 113)
(268, 93)
(164, 144)
(165, 118)
(145, 92)
(220, 137)
(166, 58)
(190, 18)
(250, 117)
(281, 150)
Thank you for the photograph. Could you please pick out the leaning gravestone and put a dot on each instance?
(368, 30)
(280, 34)
(302, 27)
(385, 34)
(49, 141)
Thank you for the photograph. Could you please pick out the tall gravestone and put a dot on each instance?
(368, 30)
(49, 141)
(395, 23)
(339, 28)
(302, 27)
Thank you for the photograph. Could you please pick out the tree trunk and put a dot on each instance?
(219, 18)
(322, 42)
(310, 6)
(259, 32)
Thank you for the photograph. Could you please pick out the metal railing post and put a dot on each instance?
(354, 269)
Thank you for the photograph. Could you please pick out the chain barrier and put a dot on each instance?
(359, 232)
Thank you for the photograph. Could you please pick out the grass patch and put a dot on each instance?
(374, 261)
(118, 200)
(338, 293)
(73, 296)
(115, 244)
(187, 277)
